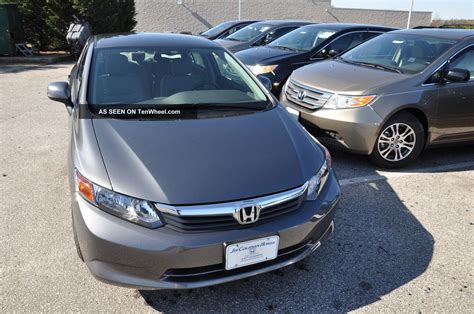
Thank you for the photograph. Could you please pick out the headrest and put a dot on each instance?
(117, 64)
(183, 65)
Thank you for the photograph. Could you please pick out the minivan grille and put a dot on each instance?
(224, 222)
(306, 96)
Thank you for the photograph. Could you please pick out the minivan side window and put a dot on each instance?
(464, 61)
(344, 43)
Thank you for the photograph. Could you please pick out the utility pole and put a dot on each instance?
(239, 10)
(409, 13)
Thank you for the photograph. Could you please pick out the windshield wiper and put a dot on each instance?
(375, 65)
(232, 39)
(284, 48)
(212, 106)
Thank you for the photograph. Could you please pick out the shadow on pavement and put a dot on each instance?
(350, 165)
(18, 68)
(378, 246)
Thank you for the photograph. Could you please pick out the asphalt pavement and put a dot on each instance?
(403, 239)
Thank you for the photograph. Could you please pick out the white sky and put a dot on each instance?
(445, 9)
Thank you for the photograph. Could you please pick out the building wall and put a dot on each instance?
(198, 15)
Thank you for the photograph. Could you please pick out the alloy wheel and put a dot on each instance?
(396, 142)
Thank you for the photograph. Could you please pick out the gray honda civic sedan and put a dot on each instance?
(184, 170)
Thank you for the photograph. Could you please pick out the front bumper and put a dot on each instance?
(352, 130)
(122, 253)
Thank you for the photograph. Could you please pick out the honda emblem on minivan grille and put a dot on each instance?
(301, 95)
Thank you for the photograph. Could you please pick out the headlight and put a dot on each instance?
(261, 69)
(342, 102)
(138, 211)
(316, 183)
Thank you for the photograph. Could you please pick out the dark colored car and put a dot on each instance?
(184, 170)
(225, 29)
(391, 96)
(259, 34)
(303, 46)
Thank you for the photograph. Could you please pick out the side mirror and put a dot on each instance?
(59, 91)
(458, 75)
(332, 53)
(265, 82)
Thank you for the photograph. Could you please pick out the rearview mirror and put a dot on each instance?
(59, 91)
(265, 82)
(458, 75)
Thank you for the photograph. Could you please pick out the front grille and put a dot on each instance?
(306, 96)
(226, 221)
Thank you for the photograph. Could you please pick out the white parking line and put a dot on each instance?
(384, 175)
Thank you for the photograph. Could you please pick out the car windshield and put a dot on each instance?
(249, 32)
(405, 53)
(162, 77)
(217, 29)
(303, 39)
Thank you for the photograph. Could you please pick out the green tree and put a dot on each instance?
(46, 21)
(107, 16)
(34, 21)
(59, 15)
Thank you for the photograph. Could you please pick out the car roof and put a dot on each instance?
(236, 22)
(348, 26)
(152, 40)
(247, 21)
(439, 32)
(286, 22)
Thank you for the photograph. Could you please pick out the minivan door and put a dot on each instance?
(455, 112)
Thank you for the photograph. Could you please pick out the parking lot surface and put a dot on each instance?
(403, 239)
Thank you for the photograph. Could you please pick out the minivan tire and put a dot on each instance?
(392, 131)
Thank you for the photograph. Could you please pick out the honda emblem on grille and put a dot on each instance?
(248, 214)
(301, 95)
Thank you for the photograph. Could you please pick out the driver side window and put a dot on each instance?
(464, 61)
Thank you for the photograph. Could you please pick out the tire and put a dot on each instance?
(399, 142)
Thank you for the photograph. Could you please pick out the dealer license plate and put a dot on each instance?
(251, 252)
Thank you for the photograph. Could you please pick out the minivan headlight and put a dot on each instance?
(137, 211)
(316, 183)
(262, 69)
(341, 102)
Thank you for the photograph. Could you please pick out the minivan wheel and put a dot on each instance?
(400, 141)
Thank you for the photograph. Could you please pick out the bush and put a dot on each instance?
(46, 21)
(110, 16)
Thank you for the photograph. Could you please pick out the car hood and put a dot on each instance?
(207, 160)
(339, 77)
(263, 55)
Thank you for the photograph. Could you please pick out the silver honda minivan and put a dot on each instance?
(184, 170)
(392, 96)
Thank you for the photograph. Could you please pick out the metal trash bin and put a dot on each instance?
(77, 36)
